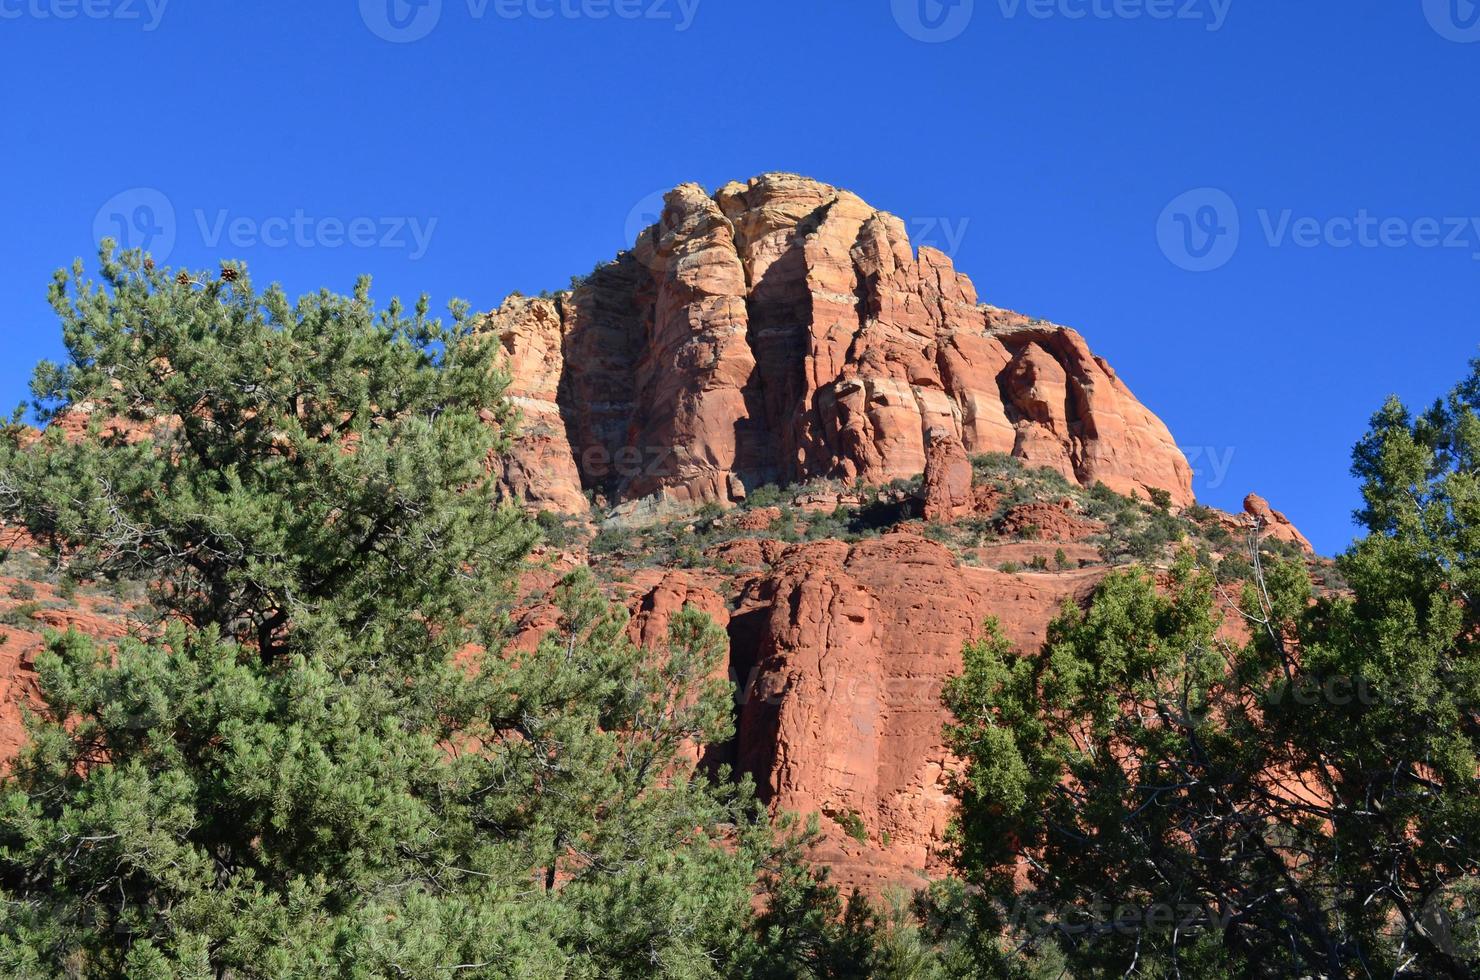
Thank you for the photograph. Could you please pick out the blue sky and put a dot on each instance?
(1265, 215)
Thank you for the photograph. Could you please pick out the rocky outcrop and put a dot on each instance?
(948, 491)
(782, 330)
(779, 331)
(543, 472)
(1273, 523)
(842, 652)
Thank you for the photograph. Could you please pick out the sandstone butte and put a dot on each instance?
(782, 331)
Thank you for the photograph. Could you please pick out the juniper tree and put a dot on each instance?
(1147, 796)
(322, 758)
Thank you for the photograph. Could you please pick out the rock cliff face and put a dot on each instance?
(782, 330)
(841, 653)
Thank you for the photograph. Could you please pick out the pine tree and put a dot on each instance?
(1147, 796)
(321, 758)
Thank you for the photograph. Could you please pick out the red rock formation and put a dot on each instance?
(1274, 524)
(843, 651)
(543, 472)
(784, 330)
(948, 492)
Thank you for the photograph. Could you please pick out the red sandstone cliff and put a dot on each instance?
(782, 330)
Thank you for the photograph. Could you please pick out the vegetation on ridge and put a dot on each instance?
(323, 759)
(318, 752)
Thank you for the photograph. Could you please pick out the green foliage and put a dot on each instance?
(768, 495)
(1017, 483)
(305, 455)
(1305, 803)
(22, 591)
(784, 527)
(558, 530)
(326, 763)
(21, 616)
(987, 467)
(852, 823)
(611, 540)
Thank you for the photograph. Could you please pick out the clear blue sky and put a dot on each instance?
(1049, 144)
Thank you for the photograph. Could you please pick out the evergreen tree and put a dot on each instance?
(1148, 796)
(321, 758)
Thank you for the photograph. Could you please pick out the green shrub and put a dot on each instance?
(22, 616)
(937, 531)
(991, 466)
(764, 496)
(557, 529)
(611, 540)
(852, 824)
